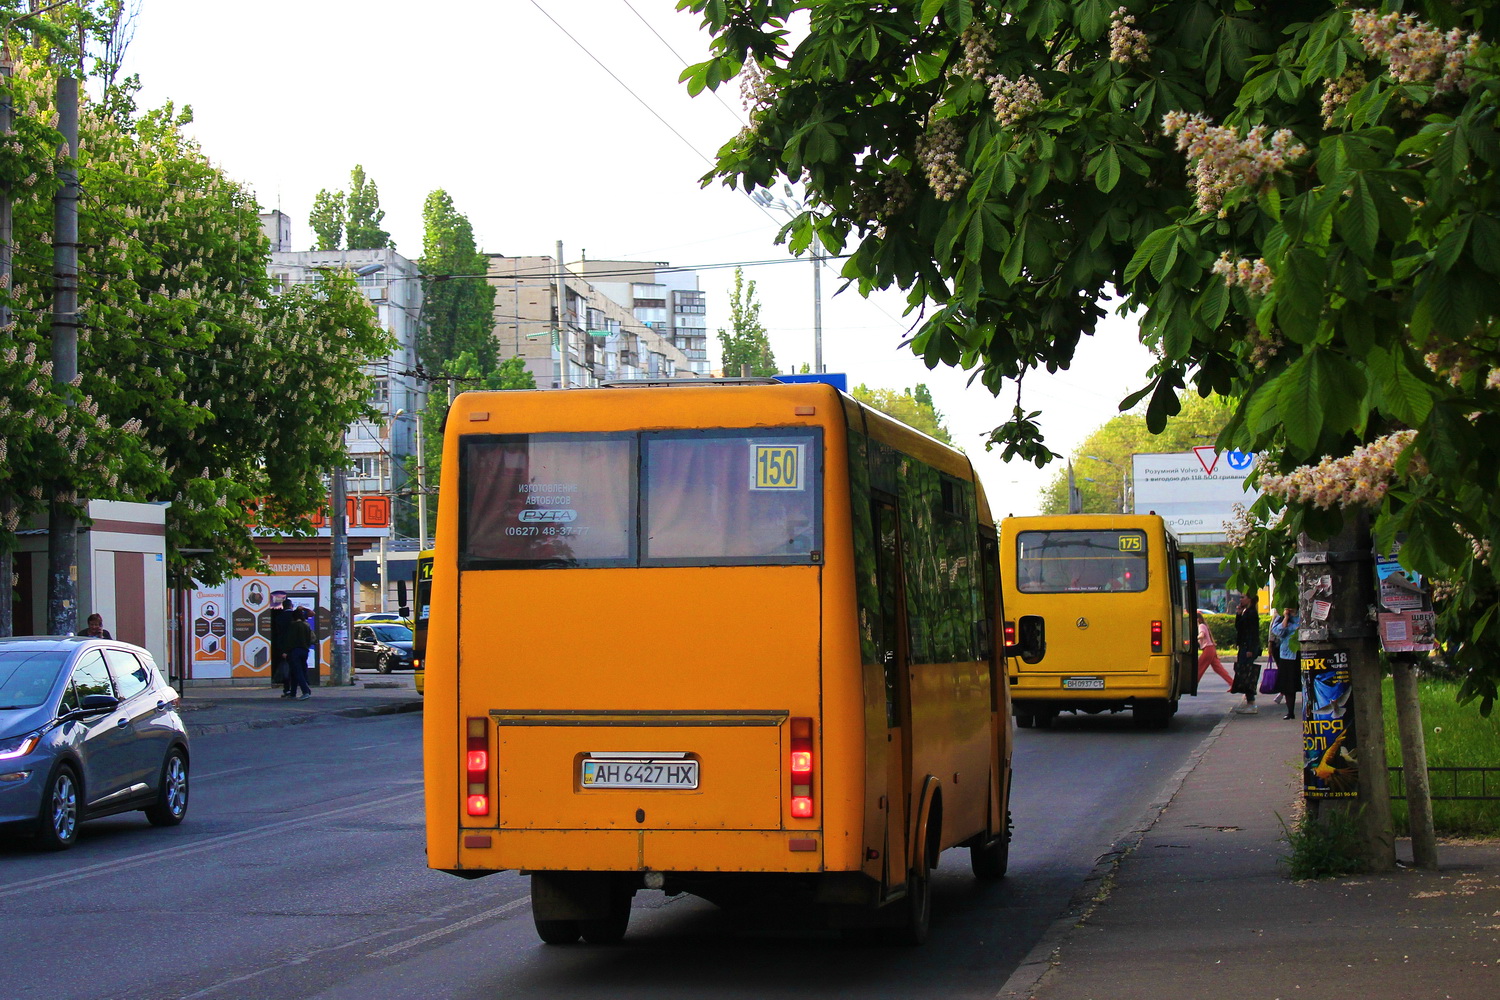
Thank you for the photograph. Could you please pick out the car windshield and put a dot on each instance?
(27, 676)
(392, 633)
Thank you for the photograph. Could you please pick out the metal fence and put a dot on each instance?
(1474, 784)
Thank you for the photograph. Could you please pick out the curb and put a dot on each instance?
(216, 728)
(1045, 955)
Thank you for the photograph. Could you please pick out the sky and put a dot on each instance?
(551, 120)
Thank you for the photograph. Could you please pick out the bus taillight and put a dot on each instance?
(477, 768)
(1010, 633)
(801, 764)
(1156, 638)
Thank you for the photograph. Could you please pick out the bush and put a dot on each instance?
(1326, 847)
(1222, 627)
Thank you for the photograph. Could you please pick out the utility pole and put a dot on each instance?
(562, 326)
(338, 603)
(817, 256)
(421, 486)
(1335, 591)
(62, 534)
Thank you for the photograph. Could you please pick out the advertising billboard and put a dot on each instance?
(1195, 491)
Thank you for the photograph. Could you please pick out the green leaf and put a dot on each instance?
(1261, 410)
(1450, 246)
(1299, 290)
(958, 13)
(1359, 220)
(1213, 304)
(930, 9)
(1406, 396)
(1166, 255)
(1092, 17)
(1486, 235)
(1300, 400)
(1143, 254)
(1343, 388)
(1010, 264)
(1106, 169)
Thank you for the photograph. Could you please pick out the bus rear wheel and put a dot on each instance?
(1152, 714)
(556, 931)
(610, 928)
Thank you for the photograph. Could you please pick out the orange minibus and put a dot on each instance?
(723, 637)
(1119, 599)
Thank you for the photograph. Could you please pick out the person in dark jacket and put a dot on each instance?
(299, 644)
(96, 627)
(1246, 664)
(281, 630)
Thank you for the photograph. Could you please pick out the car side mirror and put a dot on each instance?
(1031, 639)
(98, 704)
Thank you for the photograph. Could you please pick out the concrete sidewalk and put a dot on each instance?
(213, 709)
(1196, 904)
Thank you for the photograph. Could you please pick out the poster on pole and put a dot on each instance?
(1399, 589)
(1330, 746)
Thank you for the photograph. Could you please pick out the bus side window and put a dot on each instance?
(888, 566)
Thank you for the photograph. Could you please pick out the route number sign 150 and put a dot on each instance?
(776, 467)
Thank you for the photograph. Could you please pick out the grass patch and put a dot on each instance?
(1326, 847)
(1456, 736)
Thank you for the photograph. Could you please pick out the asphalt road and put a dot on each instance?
(300, 874)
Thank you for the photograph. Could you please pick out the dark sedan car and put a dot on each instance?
(88, 728)
(383, 646)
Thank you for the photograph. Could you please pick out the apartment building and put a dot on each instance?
(598, 339)
(377, 449)
(665, 298)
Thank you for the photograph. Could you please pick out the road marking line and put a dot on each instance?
(195, 847)
(451, 928)
(220, 774)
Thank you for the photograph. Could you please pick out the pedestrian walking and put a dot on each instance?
(1208, 653)
(281, 631)
(1246, 664)
(96, 627)
(1288, 669)
(300, 642)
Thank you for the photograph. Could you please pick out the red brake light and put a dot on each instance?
(1156, 637)
(1010, 633)
(477, 768)
(800, 763)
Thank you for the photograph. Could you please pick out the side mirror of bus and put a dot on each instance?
(1031, 639)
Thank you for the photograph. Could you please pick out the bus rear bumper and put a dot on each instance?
(1035, 695)
(768, 851)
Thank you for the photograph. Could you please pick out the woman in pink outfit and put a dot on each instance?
(1208, 654)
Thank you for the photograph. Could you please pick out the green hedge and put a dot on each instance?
(1222, 626)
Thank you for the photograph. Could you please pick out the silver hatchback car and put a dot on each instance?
(88, 728)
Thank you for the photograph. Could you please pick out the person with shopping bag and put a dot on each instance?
(1288, 679)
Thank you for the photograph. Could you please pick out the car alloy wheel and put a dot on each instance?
(59, 820)
(172, 795)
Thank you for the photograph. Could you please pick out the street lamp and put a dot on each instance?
(1124, 504)
(793, 206)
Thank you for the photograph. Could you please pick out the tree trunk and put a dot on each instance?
(1336, 591)
(1414, 763)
